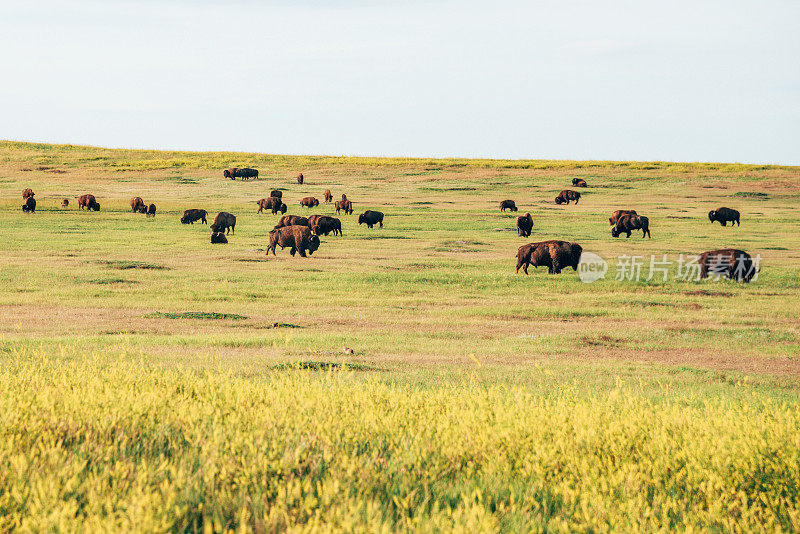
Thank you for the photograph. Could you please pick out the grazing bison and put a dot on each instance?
(274, 204)
(309, 202)
(299, 238)
(344, 205)
(323, 224)
(27, 193)
(730, 263)
(300, 178)
(508, 205)
(137, 204)
(224, 222)
(328, 196)
(627, 223)
(245, 173)
(30, 205)
(151, 210)
(371, 218)
(555, 255)
(724, 216)
(88, 202)
(65, 203)
(619, 213)
(276, 193)
(292, 220)
(190, 216)
(579, 182)
(524, 225)
(566, 195)
(218, 238)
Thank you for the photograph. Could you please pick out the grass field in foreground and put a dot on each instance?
(153, 381)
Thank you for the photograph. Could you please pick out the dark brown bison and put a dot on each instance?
(193, 215)
(579, 182)
(328, 196)
(566, 195)
(724, 216)
(27, 193)
(729, 263)
(276, 193)
(30, 205)
(292, 220)
(627, 223)
(88, 202)
(323, 224)
(508, 205)
(274, 204)
(218, 238)
(151, 210)
(299, 238)
(344, 205)
(245, 173)
(619, 213)
(309, 202)
(65, 203)
(371, 218)
(555, 255)
(300, 178)
(524, 225)
(224, 222)
(137, 204)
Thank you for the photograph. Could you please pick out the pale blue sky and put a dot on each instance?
(672, 80)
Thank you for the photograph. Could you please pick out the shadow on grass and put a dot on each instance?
(323, 366)
(194, 315)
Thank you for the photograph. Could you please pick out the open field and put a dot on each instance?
(152, 381)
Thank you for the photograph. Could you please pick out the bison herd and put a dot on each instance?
(301, 234)
(555, 255)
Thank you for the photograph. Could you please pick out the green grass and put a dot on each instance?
(152, 381)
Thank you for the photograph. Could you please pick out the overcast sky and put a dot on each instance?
(688, 80)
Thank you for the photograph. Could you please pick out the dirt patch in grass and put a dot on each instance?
(124, 265)
(707, 293)
(195, 315)
(323, 366)
(109, 281)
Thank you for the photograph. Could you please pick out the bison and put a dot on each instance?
(619, 213)
(137, 204)
(245, 173)
(300, 178)
(724, 216)
(218, 238)
(65, 203)
(30, 205)
(299, 238)
(508, 205)
(627, 223)
(292, 220)
(730, 263)
(328, 196)
(344, 205)
(151, 210)
(88, 202)
(579, 182)
(323, 224)
(224, 222)
(566, 195)
(193, 215)
(274, 204)
(309, 202)
(555, 255)
(524, 225)
(27, 193)
(276, 193)
(371, 218)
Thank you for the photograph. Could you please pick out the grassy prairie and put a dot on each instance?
(152, 381)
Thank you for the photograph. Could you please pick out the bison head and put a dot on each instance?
(94, 206)
(361, 219)
(184, 220)
(577, 251)
(615, 232)
(313, 244)
(227, 174)
(283, 208)
(559, 200)
(712, 215)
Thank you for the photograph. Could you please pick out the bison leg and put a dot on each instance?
(381, 223)
(292, 252)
